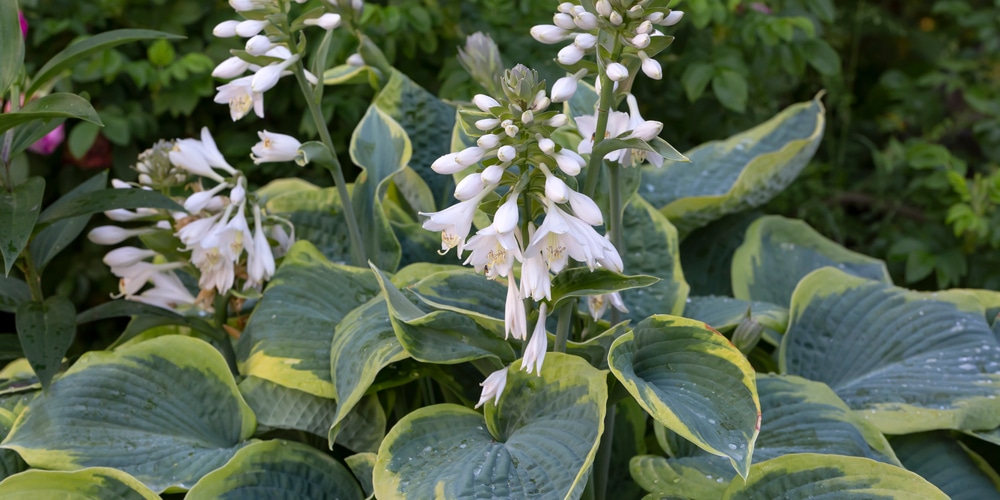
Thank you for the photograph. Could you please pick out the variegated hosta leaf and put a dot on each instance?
(797, 416)
(442, 336)
(288, 338)
(10, 462)
(707, 253)
(363, 344)
(362, 466)
(278, 470)
(907, 361)
(777, 252)
(948, 464)
(463, 290)
(810, 475)
(316, 213)
(166, 411)
(693, 381)
(85, 484)
(741, 172)
(724, 314)
(539, 442)
(651, 248)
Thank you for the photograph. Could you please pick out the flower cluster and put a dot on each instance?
(267, 53)
(215, 230)
(633, 24)
(517, 166)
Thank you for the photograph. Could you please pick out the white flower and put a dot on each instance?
(260, 260)
(570, 54)
(562, 235)
(198, 201)
(505, 218)
(515, 322)
(230, 68)
(488, 141)
(487, 124)
(113, 235)
(225, 29)
(598, 304)
(454, 222)
(557, 121)
(617, 72)
(651, 67)
(274, 147)
(267, 77)
(167, 292)
(564, 21)
(249, 28)
(493, 387)
(673, 18)
(355, 60)
(555, 189)
(587, 125)
(485, 102)
(327, 21)
(135, 276)
(640, 41)
(241, 98)
(493, 173)
(199, 157)
(569, 162)
(126, 256)
(641, 129)
(616, 18)
(585, 41)
(507, 153)
(585, 21)
(534, 353)
(527, 117)
(535, 279)
(604, 8)
(470, 156)
(258, 45)
(548, 146)
(493, 252)
(196, 230)
(123, 215)
(470, 186)
(549, 34)
(446, 165)
(564, 88)
(645, 27)
(585, 208)
(283, 239)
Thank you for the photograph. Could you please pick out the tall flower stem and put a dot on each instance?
(563, 327)
(604, 105)
(357, 248)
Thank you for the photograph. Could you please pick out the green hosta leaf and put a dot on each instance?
(707, 253)
(287, 340)
(12, 41)
(809, 475)
(166, 411)
(86, 484)
(345, 74)
(46, 331)
(93, 202)
(464, 291)
(778, 252)
(444, 337)
(428, 122)
(362, 465)
(152, 315)
(595, 349)
(582, 282)
(58, 105)
(76, 52)
(318, 217)
(583, 102)
(363, 344)
(53, 239)
(381, 147)
(724, 314)
(539, 442)
(364, 427)
(947, 464)
(741, 172)
(651, 248)
(907, 361)
(797, 416)
(13, 292)
(278, 470)
(10, 462)
(693, 381)
(18, 212)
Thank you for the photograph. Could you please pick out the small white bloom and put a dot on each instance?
(487, 124)
(585, 208)
(197, 230)
(470, 156)
(511, 130)
(557, 121)
(446, 165)
(616, 18)
(356, 60)
(654, 17)
(535, 279)
(493, 252)
(640, 41)
(566, 7)
(548, 34)
(505, 219)
(555, 189)
(570, 54)
(515, 322)
(562, 235)
(585, 21)
(527, 117)
(274, 147)
(564, 21)
(135, 276)
(651, 67)
(506, 153)
(569, 162)
(260, 260)
(617, 71)
(250, 27)
(598, 304)
(469, 187)
(673, 18)
(454, 222)
(230, 68)
(485, 102)
(604, 8)
(534, 353)
(327, 21)
(644, 28)
(238, 193)
(493, 387)
(267, 77)
(113, 235)
(488, 141)
(241, 98)
(123, 215)
(258, 45)
(225, 29)
(548, 146)
(541, 102)
(198, 201)
(585, 41)
(167, 292)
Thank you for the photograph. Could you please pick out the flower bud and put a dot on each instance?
(673, 18)
(250, 27)
(547, 145)
(327, 21)
(548, 34)
(230, 68)
(492, 174)
(485, 102)
(563, 89)
(470, 156)
(640, 41)
(617, 72)
(511, 130)
(355, 60)
(258, 45)
(647, 130)
(585, 208)
(585, 41)
(655, 17)
(469, 187)
(446, 165)
(747, 334)
(570, 55)
(557, 121)
(126, 256)
(604, 8)
(506, 153)
(266, 78)
(564, 21)
(556, 190)
(527, 117)
(487, 124)
(586, 21)
(651, 67)
(644, 28)
(225, 29)
(488, 141)
(112, 235)
(569, 162)
(616, 18)
(505, 220)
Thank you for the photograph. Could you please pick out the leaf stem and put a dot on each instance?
(31, 276)
(602, 465)
(563, 327)
(221, 306)
(357, 248)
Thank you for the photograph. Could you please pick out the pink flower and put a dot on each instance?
(24, 24)
(48, 144)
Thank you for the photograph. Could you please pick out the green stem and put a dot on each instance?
(602, 464)
(562, 330)
(603, 112)
(615, 222)
(357, 247)
(32, 277)
(225, 344)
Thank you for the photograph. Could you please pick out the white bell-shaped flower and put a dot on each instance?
(534, 353)
(493, 387)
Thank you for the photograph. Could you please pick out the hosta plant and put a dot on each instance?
(530, 294)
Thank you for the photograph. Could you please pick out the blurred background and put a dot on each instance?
(907, 171)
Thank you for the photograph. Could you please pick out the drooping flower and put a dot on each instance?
(534, 353)
(274, 147)
(493, 387)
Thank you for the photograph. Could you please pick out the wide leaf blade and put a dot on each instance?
(58, 105)
(93, 202)
(652, 248)
(12, 41)
(92, 482)
(18, 213)
(46, 331)
(947, 464)
(53, 239)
